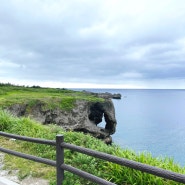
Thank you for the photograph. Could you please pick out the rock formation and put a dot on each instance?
(85, 117)
(105, 95)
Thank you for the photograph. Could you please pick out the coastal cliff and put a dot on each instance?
(81, 111)
(84, 117)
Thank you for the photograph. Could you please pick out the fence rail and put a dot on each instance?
(61, 167)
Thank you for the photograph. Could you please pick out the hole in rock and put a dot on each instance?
(103, 123)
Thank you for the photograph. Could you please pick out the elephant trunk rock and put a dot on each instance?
(85, 117)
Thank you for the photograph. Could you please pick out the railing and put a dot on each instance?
(61, 167)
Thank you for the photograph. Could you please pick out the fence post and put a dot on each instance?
(59, 159)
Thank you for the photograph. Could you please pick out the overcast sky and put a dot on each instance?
(93, 43)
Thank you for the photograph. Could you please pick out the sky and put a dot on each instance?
(93, 43)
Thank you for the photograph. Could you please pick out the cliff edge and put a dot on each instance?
(84, 117)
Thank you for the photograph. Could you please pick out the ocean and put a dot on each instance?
(151, 121)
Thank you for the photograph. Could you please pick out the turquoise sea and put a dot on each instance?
(151, 120)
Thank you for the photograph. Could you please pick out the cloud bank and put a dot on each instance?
(115, 43)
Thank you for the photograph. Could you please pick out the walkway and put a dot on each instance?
(8, 179)
(4, 181)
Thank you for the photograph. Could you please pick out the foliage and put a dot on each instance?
(113, 172)
(49, 98)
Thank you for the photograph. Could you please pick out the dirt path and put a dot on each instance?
(12, 175)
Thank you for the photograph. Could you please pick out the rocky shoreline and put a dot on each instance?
(105, 95)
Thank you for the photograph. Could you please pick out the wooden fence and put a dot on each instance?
(61, 166)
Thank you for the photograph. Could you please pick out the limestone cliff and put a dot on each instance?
(84, 117)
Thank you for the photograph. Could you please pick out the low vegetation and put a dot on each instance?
(112, 172)
(51, 98)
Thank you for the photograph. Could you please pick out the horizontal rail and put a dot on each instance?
(86, 175)
(30, 157)
(60, 145)
(128, 163)
(29, 139)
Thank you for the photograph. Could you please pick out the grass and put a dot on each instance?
(50, 98)
(112, 172)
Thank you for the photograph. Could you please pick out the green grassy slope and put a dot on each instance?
(51, 97)
(115, 173)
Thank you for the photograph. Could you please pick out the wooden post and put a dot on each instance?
(59, 159)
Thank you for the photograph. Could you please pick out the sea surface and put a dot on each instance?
(150, 120)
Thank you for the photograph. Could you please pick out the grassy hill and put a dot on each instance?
(27, 127)
(51, 97)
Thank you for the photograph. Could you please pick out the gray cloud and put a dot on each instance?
(105, 42)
